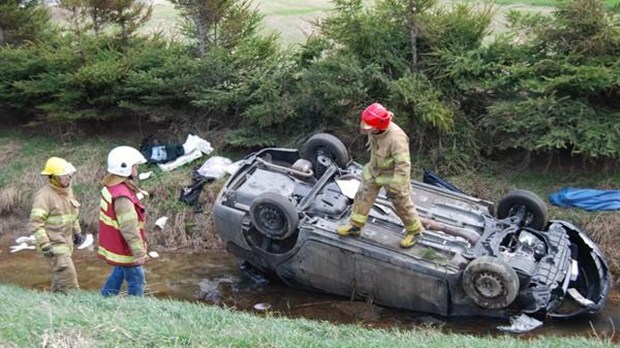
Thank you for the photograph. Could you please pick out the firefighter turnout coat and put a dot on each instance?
(122, 236)
(389, 167)
(55, 218)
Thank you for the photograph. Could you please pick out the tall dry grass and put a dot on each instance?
(604, 229)
(23, 157)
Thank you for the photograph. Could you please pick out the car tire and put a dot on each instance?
(327, 145)
(536, 212)
(490, 282)
(274, 216)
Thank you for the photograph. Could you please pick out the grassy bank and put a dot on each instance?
(30, 319)
(22, 157)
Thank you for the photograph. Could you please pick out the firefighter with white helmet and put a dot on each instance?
(122, 234)
(54, 222)
(389, 167)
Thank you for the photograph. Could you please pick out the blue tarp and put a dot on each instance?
(434, 179)
(587, 199)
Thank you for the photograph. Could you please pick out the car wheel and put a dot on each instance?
(274, 216)
(490, 282)
(531, 209)
(321, 146)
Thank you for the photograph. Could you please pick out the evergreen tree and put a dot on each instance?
(22, 21)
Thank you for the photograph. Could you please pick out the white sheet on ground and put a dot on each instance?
(187, 158)
(194, 142)
(214, 167)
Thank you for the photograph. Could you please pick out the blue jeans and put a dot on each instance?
(134, 276)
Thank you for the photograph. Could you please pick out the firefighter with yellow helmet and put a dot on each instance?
(389, 167)
(54, 222)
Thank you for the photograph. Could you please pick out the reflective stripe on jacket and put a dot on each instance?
(390, 163)
(54, 218)
(117, 246)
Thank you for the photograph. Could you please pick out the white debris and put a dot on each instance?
(348, 187)
(88, 241)
(187, 158)
(20, 247)
(233, 167)
(215, 167)
(25, 239)
(161, 222)
(262, 306)
(153, 254)
(195, 142)
(145, 175)
(520, 324)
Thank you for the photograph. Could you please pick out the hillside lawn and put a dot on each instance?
(83, 319)
(292, 19)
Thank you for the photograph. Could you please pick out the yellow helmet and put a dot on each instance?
(58, 166)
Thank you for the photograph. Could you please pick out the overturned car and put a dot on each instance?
(279, 213)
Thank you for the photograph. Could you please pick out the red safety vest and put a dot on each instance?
(112, 246)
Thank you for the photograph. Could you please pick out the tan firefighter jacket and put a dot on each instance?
(128, 222)
(390, 163)
(54, 218)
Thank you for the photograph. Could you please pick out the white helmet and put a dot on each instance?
(122, 158)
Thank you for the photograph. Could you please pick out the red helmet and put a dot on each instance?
(376, 116)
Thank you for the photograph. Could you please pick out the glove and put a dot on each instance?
(78, 239)
(47, 251)
(141, 260)
(390, 193)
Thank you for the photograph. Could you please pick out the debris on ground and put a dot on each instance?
(87, 243)
(171, 156)
(262, 306)
(187, 158)
(27, 243)
(20, 247)
(156, 152)
(586, 199)
(520, 324)
(145, 175)
(215, 167)
(161, 222)
(25, 239)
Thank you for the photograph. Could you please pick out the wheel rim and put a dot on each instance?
(271, 219)
(489, 285)
(525, 215)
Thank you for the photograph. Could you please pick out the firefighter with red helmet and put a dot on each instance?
(389, 167)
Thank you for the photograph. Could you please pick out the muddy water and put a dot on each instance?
(213, 277)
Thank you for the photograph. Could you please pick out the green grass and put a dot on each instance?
(291, 18)
(32, 319)
(608, 3)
